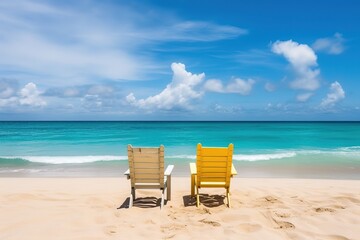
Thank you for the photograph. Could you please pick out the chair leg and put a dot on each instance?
(192, 185)
(168, 188)
(197, 197)
(132, 197)
(228, 197)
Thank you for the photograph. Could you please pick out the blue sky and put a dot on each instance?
(179, 60)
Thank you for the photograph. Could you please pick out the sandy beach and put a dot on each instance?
(96, 208)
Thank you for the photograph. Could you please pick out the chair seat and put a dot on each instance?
(147, 185)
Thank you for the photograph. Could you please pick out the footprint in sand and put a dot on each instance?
(284, 225)
(323, 209)
(268, 200)
(248, 227)
(272, 199)
(278, 224)
(282, 214)
(204, 211)
(213, 223)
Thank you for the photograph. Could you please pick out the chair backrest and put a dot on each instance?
(214, 164)
(146, 165)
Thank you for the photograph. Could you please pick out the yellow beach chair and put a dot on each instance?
(146, 171)
(213, 169)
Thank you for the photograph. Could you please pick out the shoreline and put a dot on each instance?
(264, 169)
(96, 208)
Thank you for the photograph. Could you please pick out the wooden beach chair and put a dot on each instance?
(213, 169)
(146, 171)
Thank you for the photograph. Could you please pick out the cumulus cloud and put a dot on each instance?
(29, 95)
(177, 95)
(304, 62)
(214, 85)
(331, 45)
(237, 85)
(336, 93)
(304, 97)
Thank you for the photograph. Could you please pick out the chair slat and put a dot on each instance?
(214, 152)
(214, 158)
(214, 164)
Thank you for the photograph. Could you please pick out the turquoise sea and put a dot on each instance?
(262, 149)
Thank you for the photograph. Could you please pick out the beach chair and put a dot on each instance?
(146, 171)
(213, 169)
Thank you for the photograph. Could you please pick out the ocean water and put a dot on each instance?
(262, 149)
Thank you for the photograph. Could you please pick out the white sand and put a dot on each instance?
(63, 208)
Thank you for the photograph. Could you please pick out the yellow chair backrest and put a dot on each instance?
(214, 164)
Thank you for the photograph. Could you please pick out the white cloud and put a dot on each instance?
(304, 97)
(214, 85)
(336, 93)
(44, 38)
(29, 95)
(240, 86)
(237, 85)
(177, 95)
(304, 62)
(331, 45)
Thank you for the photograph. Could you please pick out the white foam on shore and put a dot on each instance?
(182, 156)
(20, 170)
(248, 157)
(264, 155)
(66, 159)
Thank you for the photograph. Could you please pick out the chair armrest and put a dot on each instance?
(127, 174)
(233, 170)
(193, 169)
(169, 170)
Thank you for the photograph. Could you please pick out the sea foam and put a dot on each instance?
(264, 155)
(66, 159)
